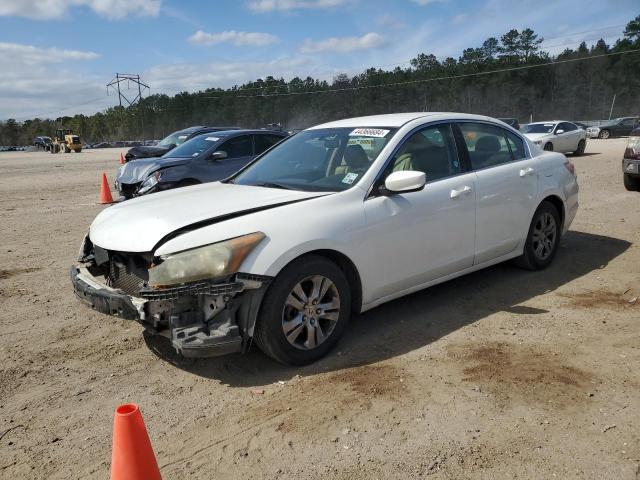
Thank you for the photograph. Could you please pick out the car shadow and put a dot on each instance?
(419, 319)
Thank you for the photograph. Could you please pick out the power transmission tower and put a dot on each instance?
(129, 78)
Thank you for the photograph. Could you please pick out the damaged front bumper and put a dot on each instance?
(202, 319)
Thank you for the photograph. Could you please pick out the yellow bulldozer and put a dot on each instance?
(65, 141)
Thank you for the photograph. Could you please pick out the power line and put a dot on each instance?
(425, 80)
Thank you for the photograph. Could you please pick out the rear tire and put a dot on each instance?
(548, 147)
(582, 144)
(543, 238)
(631, 182)
(604, 134)
(289, 328)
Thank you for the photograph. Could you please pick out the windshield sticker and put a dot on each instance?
(349, 178)
(181, 137)
(212, 139)
(549, 124)
(369, 132)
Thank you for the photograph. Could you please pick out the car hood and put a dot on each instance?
(537, 136)
(139, 225)
(137, 171)
(146, 152)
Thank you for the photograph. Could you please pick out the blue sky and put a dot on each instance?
(57, 53)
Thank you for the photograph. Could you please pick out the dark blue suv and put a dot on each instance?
(204, 158)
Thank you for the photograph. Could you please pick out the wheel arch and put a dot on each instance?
(343, 262)
(557, 202)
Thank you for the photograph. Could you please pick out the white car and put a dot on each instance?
(332, 221)
(557, 136)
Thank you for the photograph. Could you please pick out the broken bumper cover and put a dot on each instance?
(218, 317)
(102, 298)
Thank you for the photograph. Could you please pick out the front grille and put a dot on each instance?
(126, 276)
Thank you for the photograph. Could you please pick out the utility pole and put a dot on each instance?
(612, 104)
(129, 78)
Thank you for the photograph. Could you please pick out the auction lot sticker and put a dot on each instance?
(369, 132)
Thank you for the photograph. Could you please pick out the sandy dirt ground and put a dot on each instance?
(500, 374)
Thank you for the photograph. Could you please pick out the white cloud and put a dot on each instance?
(30, 55)
(423, 3)
(38, 82)
(236, 38)
(47, 9)
(344, 44)
(261, 6)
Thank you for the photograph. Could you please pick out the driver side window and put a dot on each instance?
(431, 150)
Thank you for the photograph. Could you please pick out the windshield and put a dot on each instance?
(194, 147)
(538, 128)
(176, 138)
(325, 160)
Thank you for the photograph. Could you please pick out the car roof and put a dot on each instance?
(242, 131)
(396, 120)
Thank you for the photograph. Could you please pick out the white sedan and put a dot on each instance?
(557, 136)
(331, 222)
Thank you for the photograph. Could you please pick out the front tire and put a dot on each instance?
(304, 312)
(604, 134)
(543, 238)
(582, 144)
(631, 183)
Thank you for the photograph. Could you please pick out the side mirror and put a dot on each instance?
(218, 155)
(405, 181)
(558, 132)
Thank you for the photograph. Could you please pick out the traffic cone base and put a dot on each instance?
(121, 161)
(105, 191)
(132, 456)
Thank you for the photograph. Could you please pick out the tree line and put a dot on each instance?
(510, 76)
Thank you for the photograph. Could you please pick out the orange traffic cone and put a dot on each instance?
(132, 457)
(105, 191)
(121, 161)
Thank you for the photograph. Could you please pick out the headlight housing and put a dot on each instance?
(211, 261)
(538, 142)
(150, 182)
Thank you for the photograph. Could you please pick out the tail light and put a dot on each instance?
(570, 166)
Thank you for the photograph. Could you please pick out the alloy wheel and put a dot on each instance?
(311, 312)
(544, 236)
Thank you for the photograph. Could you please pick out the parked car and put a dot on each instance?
(204, 158)
(581, 125)
(631, 162)
(334, 220)
(557, 136)
(618, 127)
(42, 142)
(170, 142)
(512, 122)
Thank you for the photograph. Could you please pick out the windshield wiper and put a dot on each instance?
(272, 185)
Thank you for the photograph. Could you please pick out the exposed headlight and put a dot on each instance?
(150, 182)
(215, 260)
(538, 142)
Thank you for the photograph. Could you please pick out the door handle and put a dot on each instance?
(525, 172)
(456, 193)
